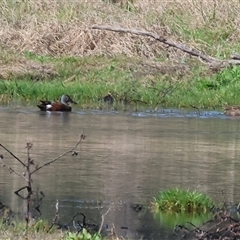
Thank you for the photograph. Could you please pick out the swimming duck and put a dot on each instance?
(232, 111)
(61, 106)
(108, 98)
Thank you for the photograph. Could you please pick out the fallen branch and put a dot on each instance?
(209, 59)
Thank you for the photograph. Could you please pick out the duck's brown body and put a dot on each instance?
(61, 106)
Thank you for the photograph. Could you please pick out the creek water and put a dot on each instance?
(126, 158)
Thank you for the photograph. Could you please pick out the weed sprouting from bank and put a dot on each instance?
(193, 215)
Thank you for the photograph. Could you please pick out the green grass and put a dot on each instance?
(89, 79)
(182, 201)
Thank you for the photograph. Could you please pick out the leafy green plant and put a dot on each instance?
(228, 76)
(84, 235)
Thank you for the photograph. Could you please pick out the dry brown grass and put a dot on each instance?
(62, 27)
(13, 64)
(23, 67)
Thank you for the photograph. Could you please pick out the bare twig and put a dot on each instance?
(39, 202)
(82, 137)
(13, 155)
(56, 217)
(28, 199)
(20, 189)
(113, 231)
(84, 222)
(100, 228)
(11, 170)
(28, 165)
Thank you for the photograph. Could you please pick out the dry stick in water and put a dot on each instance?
(56, 217)
(191, 51)
(100, 228)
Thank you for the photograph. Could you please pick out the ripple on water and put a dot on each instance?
(162, 113)
(165, 113)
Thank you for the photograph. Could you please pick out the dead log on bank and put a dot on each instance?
(212, 62)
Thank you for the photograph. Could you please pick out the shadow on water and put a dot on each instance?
(126, 159)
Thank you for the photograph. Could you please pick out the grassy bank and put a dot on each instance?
(132, 80)
(48, 48)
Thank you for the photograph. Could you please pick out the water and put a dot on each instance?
(125, 159)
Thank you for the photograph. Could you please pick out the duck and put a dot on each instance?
(232, 110)
(62, 106)
(108, 98)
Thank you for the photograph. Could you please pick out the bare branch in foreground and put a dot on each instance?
(191, 51)
(82, 137)
(11, 170)
(13, 155)
(20, 189)
(100, 228)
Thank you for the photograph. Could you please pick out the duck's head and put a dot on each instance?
(65, 99)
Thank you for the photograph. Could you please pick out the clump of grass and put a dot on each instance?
(183, 201)
(38, 229)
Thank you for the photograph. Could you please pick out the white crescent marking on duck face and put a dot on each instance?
(48, 106)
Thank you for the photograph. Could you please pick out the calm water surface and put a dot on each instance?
(126, 159)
